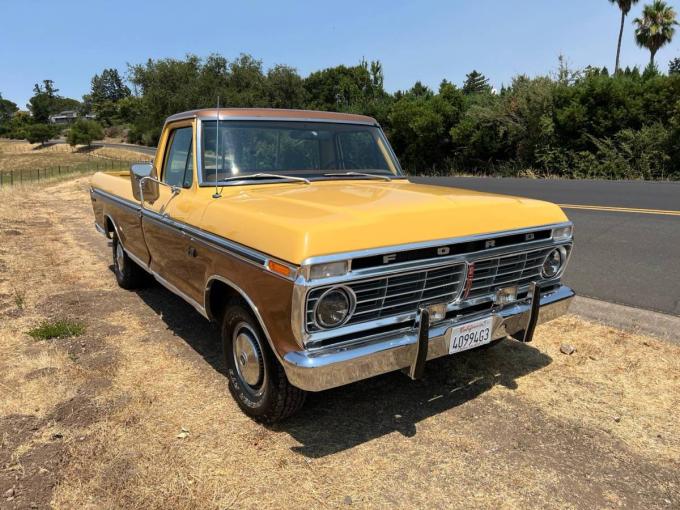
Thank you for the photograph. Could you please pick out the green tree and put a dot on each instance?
(42, 103)
(419, 90)
(108, 86)
(40, 133)
(106, 90)
(476, 82)
(16, 127)
(7, 111)
(285, 88)
(674, 66)
(624, 7)
(343, 87)
(245, 83)
(84, 132)
(655, 28)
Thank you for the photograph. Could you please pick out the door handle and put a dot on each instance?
(191, 251)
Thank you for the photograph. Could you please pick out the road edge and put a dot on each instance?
(665, 327)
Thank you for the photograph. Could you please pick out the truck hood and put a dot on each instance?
(295, 221)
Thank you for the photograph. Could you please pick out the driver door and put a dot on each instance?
(172, 256)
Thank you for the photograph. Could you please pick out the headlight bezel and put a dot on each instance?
(351, 305)
(564, 257)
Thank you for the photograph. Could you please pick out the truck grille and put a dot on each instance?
(388, 296)
(507, 270)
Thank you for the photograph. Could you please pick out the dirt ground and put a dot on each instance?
(96, 421)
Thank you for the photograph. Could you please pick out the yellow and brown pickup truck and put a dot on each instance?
(297, 232)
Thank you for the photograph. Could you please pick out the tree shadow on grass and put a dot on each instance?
(342, 418)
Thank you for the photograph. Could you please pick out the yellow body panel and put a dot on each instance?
(294, 221)
(297, 221)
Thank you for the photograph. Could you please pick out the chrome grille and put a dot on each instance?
(507, 270)
(392, 295)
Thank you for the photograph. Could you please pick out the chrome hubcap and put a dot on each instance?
(247, 355)
(120, 256)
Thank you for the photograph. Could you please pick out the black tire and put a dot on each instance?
(257, 380)
(128, 274)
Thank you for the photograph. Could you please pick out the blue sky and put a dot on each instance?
(70, 40)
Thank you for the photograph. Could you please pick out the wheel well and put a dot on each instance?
(218, 296)
(110, 229)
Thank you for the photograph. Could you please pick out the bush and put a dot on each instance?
(40, 133)
(114, 131)
(84, 132)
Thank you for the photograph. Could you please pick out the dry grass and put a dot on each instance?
(512, 427)
(21, 156)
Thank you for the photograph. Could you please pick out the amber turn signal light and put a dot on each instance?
(281, 269)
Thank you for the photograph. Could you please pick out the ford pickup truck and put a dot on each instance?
(299, 235)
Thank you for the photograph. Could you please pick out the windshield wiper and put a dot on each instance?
(359, 174)
(246, 177)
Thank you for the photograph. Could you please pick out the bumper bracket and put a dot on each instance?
(417, 368)
(527, 334)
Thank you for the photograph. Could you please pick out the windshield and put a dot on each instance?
(300, 149)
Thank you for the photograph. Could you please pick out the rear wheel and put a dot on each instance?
(128, 273)
(257, 381)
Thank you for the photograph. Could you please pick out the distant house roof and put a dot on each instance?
(64, 116)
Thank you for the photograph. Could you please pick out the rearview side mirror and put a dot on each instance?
(137, 173)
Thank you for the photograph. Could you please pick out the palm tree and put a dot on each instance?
(656, 27)
(625, 6)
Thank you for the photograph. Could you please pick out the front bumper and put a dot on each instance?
(329, 367)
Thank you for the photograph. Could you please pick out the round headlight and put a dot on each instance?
(333, 308)
(553, 262)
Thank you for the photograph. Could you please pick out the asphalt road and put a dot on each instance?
(620, 256)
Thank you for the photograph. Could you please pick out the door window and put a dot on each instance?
(178, 169)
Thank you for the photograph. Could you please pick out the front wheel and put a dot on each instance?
(257, 381)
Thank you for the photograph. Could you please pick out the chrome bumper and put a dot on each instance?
(329, 367)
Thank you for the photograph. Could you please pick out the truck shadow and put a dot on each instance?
(342, 418)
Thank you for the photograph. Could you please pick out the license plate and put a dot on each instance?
(470, 335)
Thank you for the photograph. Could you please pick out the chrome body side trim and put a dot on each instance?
(240, 251)
(199, 308)
(337, 365)
(118, 200)
(115, 227)
(210, 314)
(211, 241)
(158, 277)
